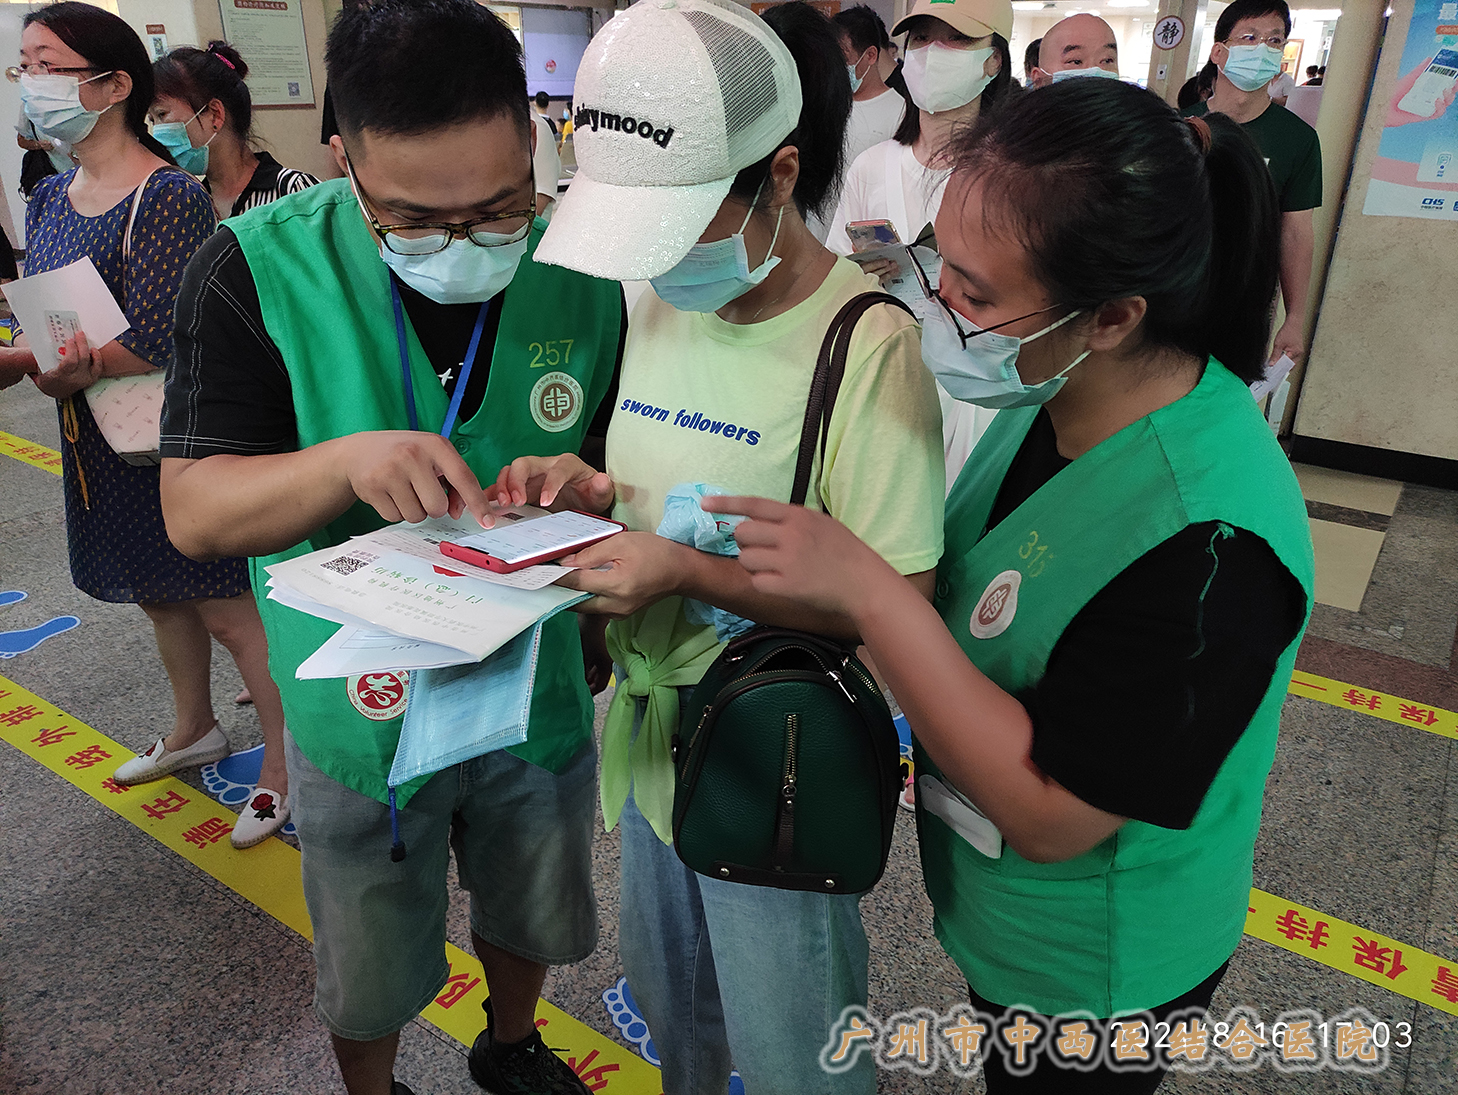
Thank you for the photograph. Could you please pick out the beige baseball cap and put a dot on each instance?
(974, 18)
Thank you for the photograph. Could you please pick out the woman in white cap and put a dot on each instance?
(703, 138)
(957, 66)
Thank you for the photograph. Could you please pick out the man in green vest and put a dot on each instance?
(363, 353)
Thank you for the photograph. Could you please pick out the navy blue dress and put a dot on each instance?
(118, 542)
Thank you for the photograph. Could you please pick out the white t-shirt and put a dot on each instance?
(705, 401)
(871, 122)
(867, 195)
(546, 165)
(1281, 86)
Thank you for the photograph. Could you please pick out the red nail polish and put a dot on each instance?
(62, 351)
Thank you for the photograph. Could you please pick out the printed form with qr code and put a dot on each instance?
(403, 605)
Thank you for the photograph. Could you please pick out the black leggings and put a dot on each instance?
(1048, 1079)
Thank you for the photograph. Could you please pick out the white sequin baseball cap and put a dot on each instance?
(673, 99)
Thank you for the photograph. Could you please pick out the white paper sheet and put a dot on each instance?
(292, 598)
(415, 598)
(1276, 372)
(352, 651)
(52, 305)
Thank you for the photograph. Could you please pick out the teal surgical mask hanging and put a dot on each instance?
(173, 136)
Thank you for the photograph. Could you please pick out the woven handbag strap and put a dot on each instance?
(829, 372)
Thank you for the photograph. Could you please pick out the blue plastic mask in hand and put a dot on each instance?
(685, 522)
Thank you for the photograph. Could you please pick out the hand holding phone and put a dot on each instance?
(512, 545)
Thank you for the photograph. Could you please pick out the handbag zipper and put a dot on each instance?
(785, 823)
(695, 757)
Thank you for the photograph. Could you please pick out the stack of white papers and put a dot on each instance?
(404, 605)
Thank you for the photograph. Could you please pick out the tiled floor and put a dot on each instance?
(124, 969)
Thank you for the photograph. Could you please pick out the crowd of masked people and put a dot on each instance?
(1040, 479)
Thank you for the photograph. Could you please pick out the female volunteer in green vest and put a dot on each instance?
(728, 340)
(1127, 573)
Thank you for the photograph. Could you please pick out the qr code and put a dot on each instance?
(345, 564)
(293, 89)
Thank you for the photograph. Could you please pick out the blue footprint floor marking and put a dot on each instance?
(628, 1019)
(231, 780)
(26, 640)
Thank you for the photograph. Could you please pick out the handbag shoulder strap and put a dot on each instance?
(825, 386)
(131, 223)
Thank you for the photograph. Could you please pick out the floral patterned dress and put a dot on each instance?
(118, 542)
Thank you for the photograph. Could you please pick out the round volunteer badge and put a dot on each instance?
(556, 402)
(378, 696)
(997, 606)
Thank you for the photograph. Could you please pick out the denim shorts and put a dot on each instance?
(522, 837)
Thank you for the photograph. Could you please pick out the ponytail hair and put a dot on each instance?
(198, 76)
(109, 45)
(1245, 250)
(1113, 195)
(814, 43)
(995, 92)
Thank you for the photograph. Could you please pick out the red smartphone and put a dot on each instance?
(534, 540)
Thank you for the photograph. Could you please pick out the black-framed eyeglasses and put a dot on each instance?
(962, 333)
(428, 237)
(40, 68)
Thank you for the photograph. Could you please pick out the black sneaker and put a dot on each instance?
(397, 1088)
(527, 1067)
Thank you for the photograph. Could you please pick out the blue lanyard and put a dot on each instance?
(455, 406)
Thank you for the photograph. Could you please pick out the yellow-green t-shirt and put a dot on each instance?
(701, 400)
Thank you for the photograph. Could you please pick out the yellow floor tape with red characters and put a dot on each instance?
(196, 828)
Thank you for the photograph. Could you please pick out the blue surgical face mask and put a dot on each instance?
(462, 273)
(854, 79)
(984, 372)
(1251, 68)
(1073, 73)
(713, 274)
(173, 137)
(53, 105)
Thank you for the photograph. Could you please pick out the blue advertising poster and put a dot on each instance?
(1416, 170)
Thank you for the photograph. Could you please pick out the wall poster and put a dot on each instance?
(1415, 173)
(269, 35)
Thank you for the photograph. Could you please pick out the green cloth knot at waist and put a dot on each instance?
(659, 656)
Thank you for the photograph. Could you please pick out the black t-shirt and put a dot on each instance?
(235, 395)
(1156, 678)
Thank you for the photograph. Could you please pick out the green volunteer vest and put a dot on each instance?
(1150, 913)
(326, 303)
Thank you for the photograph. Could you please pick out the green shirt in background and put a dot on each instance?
(1292, 152)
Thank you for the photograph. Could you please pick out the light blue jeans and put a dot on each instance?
(735, 976)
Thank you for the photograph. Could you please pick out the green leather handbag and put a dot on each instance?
(788, 764)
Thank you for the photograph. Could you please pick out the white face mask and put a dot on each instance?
(53, 105)
(1073, 73)
(984, 371)
(942, 78)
